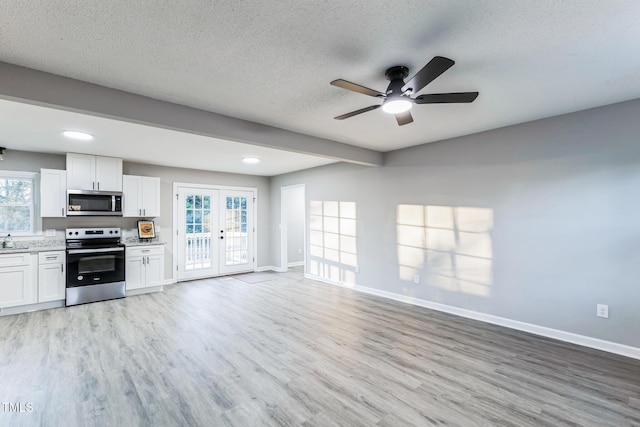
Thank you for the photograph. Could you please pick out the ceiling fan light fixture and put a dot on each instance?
(396, 106)
(74, 134)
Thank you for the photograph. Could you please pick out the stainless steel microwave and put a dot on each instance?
(94, 203)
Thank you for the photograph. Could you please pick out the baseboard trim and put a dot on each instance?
(582, 340)
(142, 291)
(271, 268)
(169, 282)
(8, 311)
(295, 264)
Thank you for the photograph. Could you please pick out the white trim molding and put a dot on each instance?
(31, 307)
(271, 268)
(582, 340)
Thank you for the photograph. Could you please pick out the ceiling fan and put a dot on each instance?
(397, 100)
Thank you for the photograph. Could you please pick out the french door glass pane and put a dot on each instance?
(198, 232)
(237, 239)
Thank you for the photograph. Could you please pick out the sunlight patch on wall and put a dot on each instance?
(332, 240)
(447, 246)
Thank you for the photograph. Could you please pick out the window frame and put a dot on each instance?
(36, 220)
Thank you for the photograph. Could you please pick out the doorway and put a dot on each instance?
(215, 230)
(292, 226)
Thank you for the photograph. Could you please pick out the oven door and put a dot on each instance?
(94, 266)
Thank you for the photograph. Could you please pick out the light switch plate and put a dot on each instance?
(602, 310)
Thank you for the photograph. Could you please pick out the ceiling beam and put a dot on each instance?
(49, 90)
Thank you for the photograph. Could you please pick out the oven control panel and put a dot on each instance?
(92, 233)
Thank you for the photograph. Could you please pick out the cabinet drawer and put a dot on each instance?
(144, 250)
(53, 257)
(11, 260)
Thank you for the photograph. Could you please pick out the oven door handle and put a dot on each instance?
(93, 251)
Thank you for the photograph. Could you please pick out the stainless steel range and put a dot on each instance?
(95, 265)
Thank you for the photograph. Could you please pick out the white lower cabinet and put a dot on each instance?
(51, 276)
(144, 267)
(18, 284)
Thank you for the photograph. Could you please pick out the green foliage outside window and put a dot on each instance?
(16, 205)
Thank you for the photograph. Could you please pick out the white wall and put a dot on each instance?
(536, 223)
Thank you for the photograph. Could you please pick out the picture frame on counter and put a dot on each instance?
(146, 229)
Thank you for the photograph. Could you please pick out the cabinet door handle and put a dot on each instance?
(143, 261)
(93, 185)
(139, 212)
(98, 186)
(52, 257)
(144, 212)
(62, 211)
(62, 268)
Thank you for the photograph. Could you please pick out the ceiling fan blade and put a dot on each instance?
(429, 73)
(404, 118)
(446, 98)
(355, 113)
(357, 88)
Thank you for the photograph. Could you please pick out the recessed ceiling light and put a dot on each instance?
(251, 160)
(83, 136)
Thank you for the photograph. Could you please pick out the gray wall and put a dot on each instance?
(33, 162)
(544, 214)
(170, 175)
(295, 224)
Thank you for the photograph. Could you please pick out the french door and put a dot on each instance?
(215, 232)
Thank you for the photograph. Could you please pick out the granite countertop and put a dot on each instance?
(34, 246)
(134, 241)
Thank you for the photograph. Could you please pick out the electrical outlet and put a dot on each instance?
(50, 232)
(602, 310)
(416, 278)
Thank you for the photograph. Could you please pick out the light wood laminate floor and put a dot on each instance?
(275, 349)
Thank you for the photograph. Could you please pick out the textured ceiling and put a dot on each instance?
(271, 61)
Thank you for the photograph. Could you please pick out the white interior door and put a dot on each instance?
(236, 231)
(198, 210)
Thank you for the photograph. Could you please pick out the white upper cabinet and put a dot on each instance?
(53, 192)
(87, 172)
(141, 196)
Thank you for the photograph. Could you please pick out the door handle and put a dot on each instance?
(90, 251)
